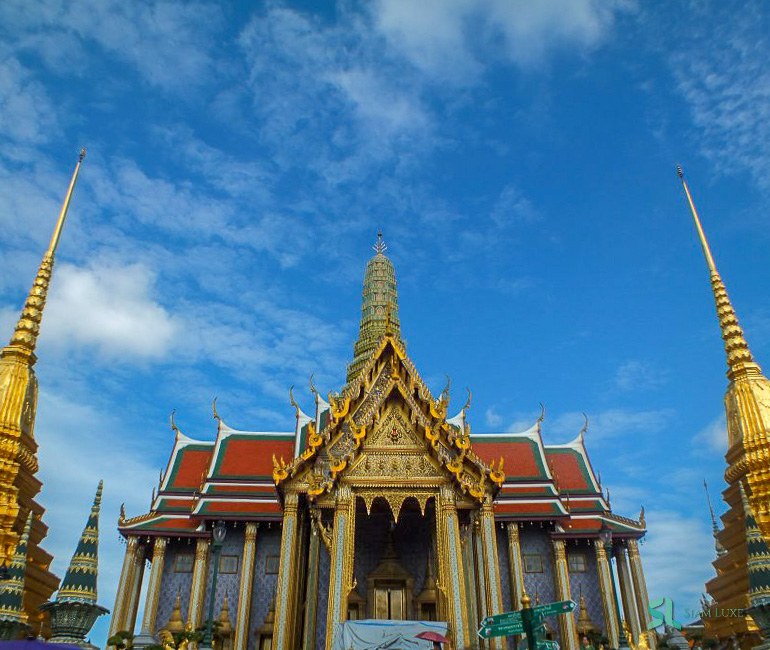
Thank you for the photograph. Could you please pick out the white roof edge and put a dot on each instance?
(457, 420)
(533, 432)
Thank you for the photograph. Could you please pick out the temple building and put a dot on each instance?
(18, 449)
(747, 407)
(380, 504)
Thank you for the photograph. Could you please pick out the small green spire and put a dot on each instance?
(12, 614)
(379, 309)
(79, 584)
(758, 557)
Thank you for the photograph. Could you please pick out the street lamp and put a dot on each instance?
(605, 535)
(218, 533)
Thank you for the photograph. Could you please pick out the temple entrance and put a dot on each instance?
(390, 601)
(392, 561)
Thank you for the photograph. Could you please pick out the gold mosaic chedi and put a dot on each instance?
(747, 407)
(18, 461)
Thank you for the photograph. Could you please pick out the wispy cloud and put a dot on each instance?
(677, 556)
(168, 43)
(451, 40)
(639, 375)
(609, 423)
(718, 67)
(713, 437)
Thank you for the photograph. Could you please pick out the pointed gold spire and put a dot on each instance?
(28, 326)
(739, 358)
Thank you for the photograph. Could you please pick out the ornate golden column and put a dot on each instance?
(198, 587)
(567, 627)
(480, 584)
(285, 608)
(640, 589)
(608, 600)
(514, 560)
(451, 567)
(124, 586)
(341, 570)
(153, 589)
(627, 593)
(469, 568)
(247, 580)
(494, 592)
(311, 590)
(132, 600)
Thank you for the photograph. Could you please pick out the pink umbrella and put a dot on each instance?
(433, 636)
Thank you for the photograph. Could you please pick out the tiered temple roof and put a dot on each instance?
(237, 475)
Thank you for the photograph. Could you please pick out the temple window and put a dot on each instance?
(228, 564)
(533, 563)
(577, 563)
(271, 564)
(183, 563)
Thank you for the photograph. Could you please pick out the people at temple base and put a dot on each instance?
(378, 506)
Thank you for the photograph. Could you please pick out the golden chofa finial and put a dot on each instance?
(28, 326)
(739, 358)
(65, 206)
(380, 247)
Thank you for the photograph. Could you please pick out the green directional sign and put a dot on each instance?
(487, 631)
(560, 607)
(540, 644)
(502, 619)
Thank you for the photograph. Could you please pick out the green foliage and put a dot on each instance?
(123, 640)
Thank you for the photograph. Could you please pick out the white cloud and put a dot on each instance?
(639, 375)
(677, 557)
(713, 436)
(80, 444)
(167, 42)
(27, 114)
(718, 65)
(450, 39)
(110, 309)
(513, 207)
(608, 423)
(492, 418)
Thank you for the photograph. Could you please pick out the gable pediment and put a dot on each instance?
(386, 427)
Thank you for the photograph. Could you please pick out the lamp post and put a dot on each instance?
(218, 533)
(605, 535)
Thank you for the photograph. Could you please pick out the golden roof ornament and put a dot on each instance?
(739, 358)
(27, 328)
(175, 622)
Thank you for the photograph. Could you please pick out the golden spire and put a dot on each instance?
(739, 358)
(28, 327)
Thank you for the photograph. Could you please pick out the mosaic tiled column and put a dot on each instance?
(567, 628)
(627, 593)
(198, 587)
(514, 561)
(132, 603)
(241, 641)
(124, 586)
(480, 584)
(451, 567)
(469, 566)
(494, 592)
(640, 588)
(153, 589)
(608, 599)
(341, 570)
(311, 590)
(285, 608)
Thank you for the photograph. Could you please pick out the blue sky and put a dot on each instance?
(519, 158)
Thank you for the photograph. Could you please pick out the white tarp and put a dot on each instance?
(373, 634)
